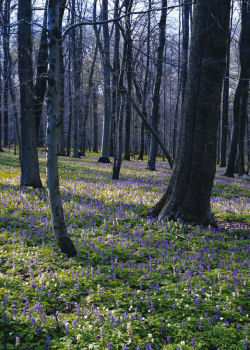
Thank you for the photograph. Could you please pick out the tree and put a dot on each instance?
(76, 86)
(1, 149)
(29, 156)
(63, 240)
(241, 95)
(188, 193)
(107, 94)
(6, 72)
(156, 94)
(225, 100)
(128, 8)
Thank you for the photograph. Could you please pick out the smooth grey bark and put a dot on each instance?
(6, 72)
(241, 95)
(128, 106)
(29, 155)
(95, 118)
(145, 87)
(76, 86)
(185, 42)
(63, 239)
(70, 112)
(157, 86)
(225, 101)
(176, 113)
(107, 93)
(1, 114)
(61, 141)
(86, 105)
(189, 190)
(118, 99)
(13, 99)
(41, 72)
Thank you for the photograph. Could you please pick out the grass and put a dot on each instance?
(136, 283)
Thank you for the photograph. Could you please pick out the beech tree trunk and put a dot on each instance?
(95, 119)
(241, 95)
(63, 240)
(128, 107)
(225, 100)
(70, 113)
(41, 72)
(145, 87)
(76, 87)
(1, 114)
(189, 190)
(6, 72)
(107, 94)
(61, 141)
(29, 155)
(156, 94)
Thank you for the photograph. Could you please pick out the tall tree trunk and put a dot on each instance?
(241, 94)
(189, 190)
(156, 93)
(63, 240)
(145, 87)
(225, 100)
(185, 41)
(6, 72)
(117, 107)
(107, 95)
(128, 107)
(70, 113)
(95, 119)
(76, 87)
(87, 100)
(41, 72)
(176, 113)
(61, 141)
(29, 156)
(1, 114)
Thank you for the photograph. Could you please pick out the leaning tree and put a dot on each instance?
(63, 239)
(189, 190)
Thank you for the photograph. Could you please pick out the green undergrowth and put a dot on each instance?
(136, 283)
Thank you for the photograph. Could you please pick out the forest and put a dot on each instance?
(124, 174)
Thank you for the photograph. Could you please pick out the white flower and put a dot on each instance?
(182, 342)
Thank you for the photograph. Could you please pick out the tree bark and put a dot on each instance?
(156, 93)
(95, 119)
(1, 114)
(185, 42)
(70, 113)
(6, 72)
(41, 72)
(61, 141)
(107, 95)
(128, 107)
(145, 87)
(76, 87)
(189, 190)
(241, 94)
(118, 100)
(29, 156)
(225, 98)
(63, 240)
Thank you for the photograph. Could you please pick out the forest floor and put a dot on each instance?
(136, 283)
